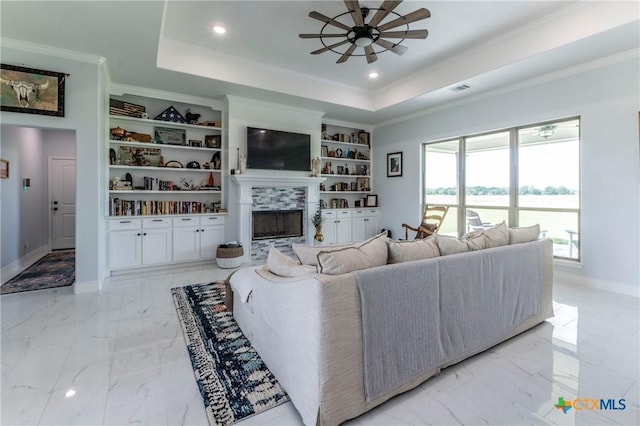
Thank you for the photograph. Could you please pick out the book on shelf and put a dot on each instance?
(119, 207)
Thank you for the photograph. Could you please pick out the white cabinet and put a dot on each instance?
(139, 242)
(336, 226)
(364, 223)
(196, 238)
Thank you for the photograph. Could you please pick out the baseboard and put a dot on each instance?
(596, 283)
(14, 268)
(86, 287)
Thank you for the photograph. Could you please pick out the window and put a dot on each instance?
(526, 175)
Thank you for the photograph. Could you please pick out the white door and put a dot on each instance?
(210, 238)
(125, 249)
(62, 202)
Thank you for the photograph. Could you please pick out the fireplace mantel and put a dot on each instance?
(244, 199)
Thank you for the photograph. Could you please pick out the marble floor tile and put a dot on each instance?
(118, 357)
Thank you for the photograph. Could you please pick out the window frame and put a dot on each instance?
(513, 206)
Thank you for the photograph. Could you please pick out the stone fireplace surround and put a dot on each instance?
(246, 203)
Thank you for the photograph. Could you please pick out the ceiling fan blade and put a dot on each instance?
(320, 35)
(385, 8)
(405, 34)
(324, 49)
(320, 17)
(406, 19)
(395, 48)
(346, 54)
(354, 7)
(370, 54)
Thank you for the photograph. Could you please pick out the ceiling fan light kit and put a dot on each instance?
(367, 34)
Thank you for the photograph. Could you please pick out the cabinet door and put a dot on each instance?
(210, 238)
(186, 243)
(329, 223)
(359, 229)
(156, 246)
(125, 249)
(372, 224)
(343, 226)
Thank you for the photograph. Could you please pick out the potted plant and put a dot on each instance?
(317, 222)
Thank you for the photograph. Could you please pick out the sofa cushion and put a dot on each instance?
(524, 234)
(372, 252)
(283, 265)
(406, 251)
(308, 255)
(451, 245)
(497, 236)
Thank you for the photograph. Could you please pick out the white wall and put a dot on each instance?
(607, 101)
(84, 113)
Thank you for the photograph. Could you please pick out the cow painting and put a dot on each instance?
(32, 91)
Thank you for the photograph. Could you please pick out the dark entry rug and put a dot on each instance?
(234, 382)
(57, 269)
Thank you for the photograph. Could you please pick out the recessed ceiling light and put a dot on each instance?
(70, 393)
(219, 30)
(373, 75)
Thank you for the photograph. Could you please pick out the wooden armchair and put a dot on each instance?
(432, 219)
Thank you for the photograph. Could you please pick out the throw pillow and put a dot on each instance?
(373, 252)
(497, 236)
(451, 245)
(308, 255)
(406, 251)
(524, 234)
(476, 240)
(283, 265)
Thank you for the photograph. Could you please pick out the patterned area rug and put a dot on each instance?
(234, 382)
(57, 269)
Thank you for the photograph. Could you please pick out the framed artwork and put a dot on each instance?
(195, 143)
(31, 91)
(371, 201)
(4, 169)
(169, 136)
(213, 141)
(363, 183)
(394, 164)
(324, 151)
(363, 138)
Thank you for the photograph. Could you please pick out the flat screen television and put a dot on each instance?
(278, 150)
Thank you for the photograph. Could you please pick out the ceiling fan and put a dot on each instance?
(367, 34)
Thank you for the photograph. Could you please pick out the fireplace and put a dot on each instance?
(276, 224)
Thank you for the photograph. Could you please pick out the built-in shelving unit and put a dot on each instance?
(153, 162)
(346, 164)
(165, 180)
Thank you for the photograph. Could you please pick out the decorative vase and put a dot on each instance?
(318, 237)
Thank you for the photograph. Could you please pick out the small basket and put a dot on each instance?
(229, 257)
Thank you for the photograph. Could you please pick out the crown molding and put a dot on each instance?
(40, 49)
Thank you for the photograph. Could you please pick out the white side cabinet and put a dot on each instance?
(364, 223)
(196, 238)
(336, 226)
(139, 242)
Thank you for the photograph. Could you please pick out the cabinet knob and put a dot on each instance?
(125, 221)
(138, 234)
(202, 230)
(197, 230)
(144, 233)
